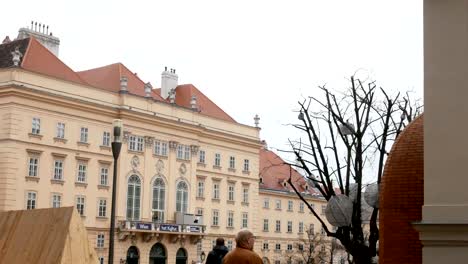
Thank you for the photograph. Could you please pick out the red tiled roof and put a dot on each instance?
(274, 172)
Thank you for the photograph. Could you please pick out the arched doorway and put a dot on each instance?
(157, 254)
(181, 256)
(265, 260)
(133, 257)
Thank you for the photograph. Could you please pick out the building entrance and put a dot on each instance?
(181, 257)
(133, 257)
(157, 254)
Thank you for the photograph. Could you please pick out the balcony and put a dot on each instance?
(149, 231)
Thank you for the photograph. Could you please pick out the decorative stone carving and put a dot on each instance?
(173, 145)
(16, 57)
(182, 169)
(159, 166)
(126, 135)
(149, 141)
(194, 149)
(135, 162)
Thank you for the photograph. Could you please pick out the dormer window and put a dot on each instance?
(284, 184)
(261, 180)
(306, 187)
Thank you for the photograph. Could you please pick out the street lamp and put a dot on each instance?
(116, 146)
(202, 256)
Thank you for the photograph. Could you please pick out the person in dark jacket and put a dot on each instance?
(217, 254)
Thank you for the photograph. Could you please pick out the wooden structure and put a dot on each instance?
(53, 235)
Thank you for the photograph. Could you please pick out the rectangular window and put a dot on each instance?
(199, 211)
(180, 151)
(230, 222)
(301, 207)
(229, 245)
(278, 204)
(324, 207)
(231, 188)
(289, 247)
(80, 205)
(101, 260)
(136, 143)
(322, 231)
(217, 161)
(265, 225)
(216, 190)
(289, 226)
(58, 170)
(201, 189)
(290, 205)
(31, 200)
(160, 148)
(311, 229)
(278, 226)
(245, 195)
(201, 156)
(81, 176)
(246, 165)
(100, 241)
(102, 208)
(300, 247)
(60, 130)
(232, 162)
(265, 245)
(84, 135)
(245, 220)
(106, 138)
(301, 227)
(103, 176)
(36, 126)
(278, 246)
(215, 218)
(266, 203)
(56, 200)
(33, 166)
(186, 152)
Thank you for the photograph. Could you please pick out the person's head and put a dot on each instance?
(220, 241)
(245, 239)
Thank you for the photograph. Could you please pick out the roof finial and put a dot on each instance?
(257, 120)
(148, 88)
(35, 26)
(32, 25)
(16, 56)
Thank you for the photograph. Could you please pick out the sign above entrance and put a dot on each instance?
(169, 228)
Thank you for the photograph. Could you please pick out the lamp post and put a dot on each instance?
(116, 146)
(202, 256)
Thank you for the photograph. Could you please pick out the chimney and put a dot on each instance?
(42, 34)
(169, 81)
(148, 88)
(123, 84)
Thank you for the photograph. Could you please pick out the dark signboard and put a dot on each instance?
(169, 228)
(195, 229)
(143, 226)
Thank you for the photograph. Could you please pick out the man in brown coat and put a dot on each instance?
(243, 253)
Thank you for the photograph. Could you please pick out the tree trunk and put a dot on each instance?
(361, 255)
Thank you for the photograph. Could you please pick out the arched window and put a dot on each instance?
(133, 198)
(159, 200)
(182, 197)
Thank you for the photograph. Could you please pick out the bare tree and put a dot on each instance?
(341, 137)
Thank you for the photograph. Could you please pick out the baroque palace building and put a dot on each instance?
(187, 173)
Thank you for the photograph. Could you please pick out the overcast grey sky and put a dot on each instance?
(250, 57)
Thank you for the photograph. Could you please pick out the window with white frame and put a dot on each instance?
(245, 219)
(101, 260)
(133, 197)
(159, 200)
(58, 169)
(265, 225)
(245, 194)
(135, 143)
(102, 208)
(231, 190)
(199, 211)
(232, 162)
(60, 133)
(324, 207)
(265, 245)
(289, 247)
(300, 247)
(81, 176)
(289, 226)
(290, 205)
(104, 176)
(80, 205)
(217, 161)
(311, 229)
(183, 152)
(278, 226)
(84, 135)
(201, 156)
(100, 241)
(278, 204)
(301, 207)
(56, 200)
(216, 190)
(31, 199)
(201, 188)
(36, 126)
(301, 227)
(33, 165)
(229, 245)
(160, 148)
(266, 203)
(215, 218)
(106, 138)
(182, 197)
(246, 165)
(278, 246)
(230, 219)
(186, 152)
